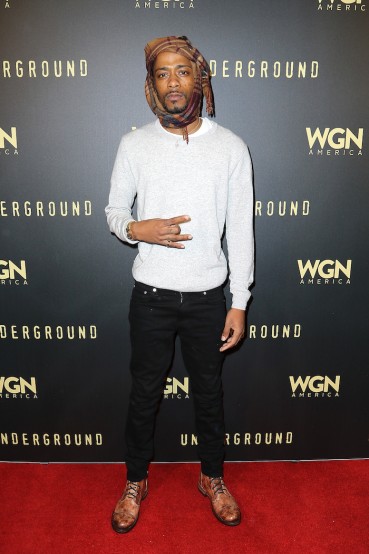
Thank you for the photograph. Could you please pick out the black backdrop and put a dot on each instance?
(291, 78)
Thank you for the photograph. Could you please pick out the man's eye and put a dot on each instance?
(160, 75)
(183, 72)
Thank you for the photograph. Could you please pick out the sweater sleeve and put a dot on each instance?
(239, 231)
(122, 196)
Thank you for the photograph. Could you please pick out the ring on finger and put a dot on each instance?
(168, 242)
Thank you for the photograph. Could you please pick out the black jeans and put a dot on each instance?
(156, 317)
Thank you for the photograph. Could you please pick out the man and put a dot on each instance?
(191, 178)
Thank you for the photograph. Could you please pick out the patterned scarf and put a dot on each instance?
(182, 46)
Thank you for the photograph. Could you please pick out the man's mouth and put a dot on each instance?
(174, 96)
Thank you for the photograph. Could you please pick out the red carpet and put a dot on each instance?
(306, 507)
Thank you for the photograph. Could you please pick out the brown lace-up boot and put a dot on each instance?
(126, 511)
(223, 504)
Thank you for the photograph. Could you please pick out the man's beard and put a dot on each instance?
(176, 109)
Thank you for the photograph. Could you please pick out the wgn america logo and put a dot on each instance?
(13, 274)
(341, 5)
(325, 272)
(175, 389)
(341, 142)
(315, 386)
(18, 387)
(164, 4)
(11, 140)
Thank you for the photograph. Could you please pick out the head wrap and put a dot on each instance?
(182, 46)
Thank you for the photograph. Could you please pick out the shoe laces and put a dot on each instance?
(132, 489)
(218, 486)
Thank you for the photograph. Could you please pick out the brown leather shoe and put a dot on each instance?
(126, 511)
(223, 504)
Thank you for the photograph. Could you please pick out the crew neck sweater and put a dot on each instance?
(208, 179)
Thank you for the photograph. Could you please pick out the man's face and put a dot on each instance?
(174, 81)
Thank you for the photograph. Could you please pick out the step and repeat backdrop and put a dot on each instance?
(291, 78)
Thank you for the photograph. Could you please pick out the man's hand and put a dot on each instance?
(234, 328)
(166, 232)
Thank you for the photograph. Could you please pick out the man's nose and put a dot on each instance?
(173, 81)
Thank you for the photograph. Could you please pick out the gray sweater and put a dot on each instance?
(209, 179)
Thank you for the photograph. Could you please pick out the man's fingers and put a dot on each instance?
(231, 338)
(164, 230)
(231, 342)
(176, 238)
(227, 345)
(225, 333)
(176, 220)
(234, 328)
(173, 229)
(172, 244)
(174, 241)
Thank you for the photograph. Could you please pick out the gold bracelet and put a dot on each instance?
(128, 231)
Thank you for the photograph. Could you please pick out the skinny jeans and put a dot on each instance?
(156, 317)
